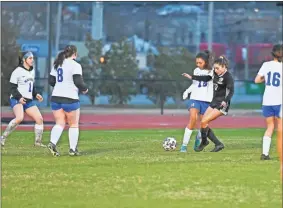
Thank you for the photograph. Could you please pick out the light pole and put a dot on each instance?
(210, 25)
(49, 40)
(97, 20)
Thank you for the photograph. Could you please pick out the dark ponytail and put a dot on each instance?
(68, 52)
(222, 61)
(208, 58)
(59, 60)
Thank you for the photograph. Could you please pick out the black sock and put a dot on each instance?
(212, 137)
(204, 132)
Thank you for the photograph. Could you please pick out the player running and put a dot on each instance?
(201, 95)
(66, 78)
(223, 91)
(21, 100)
(271, 73)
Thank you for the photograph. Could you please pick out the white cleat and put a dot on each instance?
(2, 141)
(39, 144)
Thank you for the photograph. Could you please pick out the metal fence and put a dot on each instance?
(243, 31)
(141, 93)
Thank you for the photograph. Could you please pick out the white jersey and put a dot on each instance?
(65, 86)
(202, 91)
(272, 73)
(25, 81)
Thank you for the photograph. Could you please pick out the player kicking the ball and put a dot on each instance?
(223, 91)
(66, 78)
(21, 99)
(201, 96)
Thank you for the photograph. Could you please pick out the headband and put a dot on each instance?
(27, 55)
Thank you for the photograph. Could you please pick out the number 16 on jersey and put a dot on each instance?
(273, 79)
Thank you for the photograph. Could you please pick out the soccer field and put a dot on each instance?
(129, 169)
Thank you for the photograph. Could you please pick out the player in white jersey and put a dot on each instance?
(66, 78)
(223, 90)
(21, 99)
(271, 74)
(201, 96)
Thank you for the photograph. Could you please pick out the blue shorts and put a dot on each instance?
(200, 105)
(271, 111)
(66, 107)
(14, 102)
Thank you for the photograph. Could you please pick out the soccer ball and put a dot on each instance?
(169, 143)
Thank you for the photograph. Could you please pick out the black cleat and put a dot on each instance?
(202, 146)
(74, 153)
(218, 148)
(52, 149)
(264, 157)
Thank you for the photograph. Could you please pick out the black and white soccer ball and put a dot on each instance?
(169, 143)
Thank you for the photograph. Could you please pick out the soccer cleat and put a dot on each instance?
(52, 149)
(183, 148)
(202, 146)
(218, 148)
(74, 153)
(2, 141)
(264, 157)
(197, 143)
(39, 144)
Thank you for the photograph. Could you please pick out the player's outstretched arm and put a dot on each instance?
(204, 78)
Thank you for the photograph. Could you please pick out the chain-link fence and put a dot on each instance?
(244, 32)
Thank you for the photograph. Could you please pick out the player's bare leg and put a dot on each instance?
(266, 140)
(198, 135)
(19, 116)
(193, 117)
(35, 114)
(73, 121)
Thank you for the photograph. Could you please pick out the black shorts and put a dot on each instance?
(217, 105)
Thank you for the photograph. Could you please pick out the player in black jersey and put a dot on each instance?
(223, 91)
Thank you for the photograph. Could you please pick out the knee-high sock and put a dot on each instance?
(56, 133)
(204, 132)
(10, 128)
(38, 131)
(73, 137)
(212, 137)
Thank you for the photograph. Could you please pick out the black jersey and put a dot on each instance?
(223, 87)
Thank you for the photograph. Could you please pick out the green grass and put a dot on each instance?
(129, 169)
